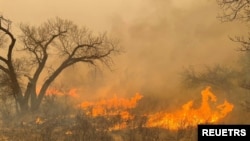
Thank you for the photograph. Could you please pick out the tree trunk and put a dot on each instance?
(34, 105)
(24, 107)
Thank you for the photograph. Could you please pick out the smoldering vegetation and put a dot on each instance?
(59, 120)
(173, 51)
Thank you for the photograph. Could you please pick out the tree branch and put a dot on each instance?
(4, 69)
(234, 10)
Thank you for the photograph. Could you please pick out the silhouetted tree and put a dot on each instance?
(216, 76)
(234, 10)
(238, 10)
(56, 38)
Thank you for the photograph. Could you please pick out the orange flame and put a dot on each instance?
(112, 107)
(188, 116)
(55, 92)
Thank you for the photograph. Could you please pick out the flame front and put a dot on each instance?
(111, 107)
(188, 116)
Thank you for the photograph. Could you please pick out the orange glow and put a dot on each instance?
(53, 91)
(189, 116)
(73, 93)
(111, 107)
(39, 120)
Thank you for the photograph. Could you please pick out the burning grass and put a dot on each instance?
(182, 118)
(113, 119)
(190, 116)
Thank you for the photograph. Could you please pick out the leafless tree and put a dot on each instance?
(234, 10)
(216, 76)
(238, 10)
(56, 38)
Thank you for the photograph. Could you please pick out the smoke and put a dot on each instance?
(160, 37)
(163, 37)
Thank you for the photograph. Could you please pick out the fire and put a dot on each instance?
(111, 107)
(55, 92)
(189, 116)
(39, 121)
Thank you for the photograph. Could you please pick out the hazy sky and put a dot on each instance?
(160, 37)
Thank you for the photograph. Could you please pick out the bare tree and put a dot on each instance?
(234, 10)
(238, 10)
(216, 76)
(56, 38)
